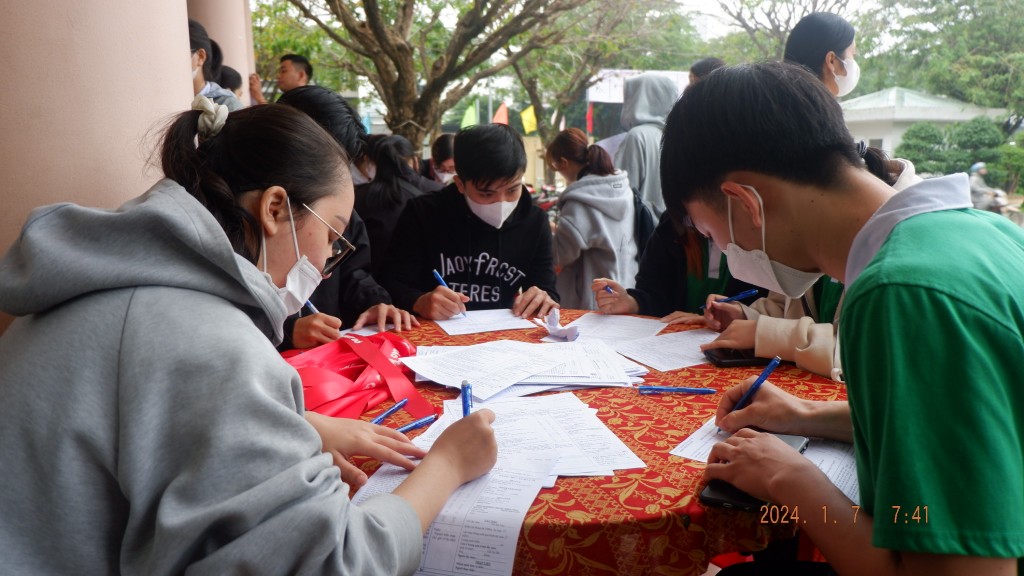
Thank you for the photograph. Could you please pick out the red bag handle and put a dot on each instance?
(327, 373)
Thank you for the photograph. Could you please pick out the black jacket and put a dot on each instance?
(438, 231)
(350, 290)
(380, 209)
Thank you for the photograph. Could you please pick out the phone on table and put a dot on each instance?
(725, 495)
(732, 357)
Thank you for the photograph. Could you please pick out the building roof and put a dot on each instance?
(904, 104)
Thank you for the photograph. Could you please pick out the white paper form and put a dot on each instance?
(478, 527)
(477, 321)
(588, 447)
(614, 328)
(489, 367)
(669, 352)
(588, 363)
(834, 458)
(434, 351)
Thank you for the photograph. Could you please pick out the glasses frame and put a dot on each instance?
(342, 248)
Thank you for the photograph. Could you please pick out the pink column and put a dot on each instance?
(86, 87)
(229, 23)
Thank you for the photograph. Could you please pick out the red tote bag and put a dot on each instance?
(353, 374)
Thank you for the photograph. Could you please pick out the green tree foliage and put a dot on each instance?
(936, 151)
(631, 34)
(279, 29)
(424, 56)
(972, 50)
(1012, 163)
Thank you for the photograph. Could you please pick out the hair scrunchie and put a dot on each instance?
(862, 148)
(212, 118)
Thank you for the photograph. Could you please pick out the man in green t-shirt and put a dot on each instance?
(932, 328)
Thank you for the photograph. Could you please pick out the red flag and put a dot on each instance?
(501, 115)
(590, 117)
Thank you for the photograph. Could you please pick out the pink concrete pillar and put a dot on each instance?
(229, 22)
(85, 84)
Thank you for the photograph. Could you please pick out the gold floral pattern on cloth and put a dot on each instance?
(638, 522)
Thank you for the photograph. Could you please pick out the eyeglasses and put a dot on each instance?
(341, 249)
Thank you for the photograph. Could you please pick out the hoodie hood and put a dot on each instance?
(163, 238)
(610, 195)
(647, 99)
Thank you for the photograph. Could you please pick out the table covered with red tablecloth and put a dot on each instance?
(640, 521)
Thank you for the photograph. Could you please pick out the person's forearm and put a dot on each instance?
(427, 489)
(825, 419)
(838, 527)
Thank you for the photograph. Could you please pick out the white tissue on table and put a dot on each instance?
(556, 330)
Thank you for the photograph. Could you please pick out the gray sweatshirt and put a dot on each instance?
(647, 100)
(594, 238)
(148, 424)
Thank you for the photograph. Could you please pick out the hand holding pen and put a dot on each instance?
(441, 303)
(719, 311)
(731, 406)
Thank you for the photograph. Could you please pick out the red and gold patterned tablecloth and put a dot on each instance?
(640, 521)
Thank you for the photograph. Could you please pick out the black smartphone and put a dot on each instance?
(730, 357)
(725, 495)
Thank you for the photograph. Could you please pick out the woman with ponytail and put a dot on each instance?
(149, 425)
(594, 237)
(381, 202)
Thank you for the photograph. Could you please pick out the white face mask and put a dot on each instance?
(302, 279)
(445, 177)
(357, 175)
(754, 266)
(847, 83)
(494, 213)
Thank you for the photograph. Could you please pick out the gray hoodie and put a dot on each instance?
(647, 100)
(148, 424)
(594, 238)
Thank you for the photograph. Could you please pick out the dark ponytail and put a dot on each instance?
(257, 148)
(879, 164)
(572, 144)
(390, 154)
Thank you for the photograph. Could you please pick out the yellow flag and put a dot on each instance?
(529, 119)
(469, 118)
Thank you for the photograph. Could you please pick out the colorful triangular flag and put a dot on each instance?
(469, 118)
(501, 115)
(529, 119)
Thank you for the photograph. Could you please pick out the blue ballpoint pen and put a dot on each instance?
(749, 395)
(389, 411)
(674, 389)
(441, 282)
(608, 289)
(418, 423)
(311, 307)
(467, 398)
(740, 296)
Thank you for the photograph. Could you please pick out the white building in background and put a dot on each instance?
(881, 118)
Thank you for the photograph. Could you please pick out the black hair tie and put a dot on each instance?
(862, 148)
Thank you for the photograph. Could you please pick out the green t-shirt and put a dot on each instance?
(933, 354)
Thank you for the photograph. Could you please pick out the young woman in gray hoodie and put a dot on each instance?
(594, 237)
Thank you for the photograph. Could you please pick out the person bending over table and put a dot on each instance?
(932, 332)
(488, 242)
(149, 425)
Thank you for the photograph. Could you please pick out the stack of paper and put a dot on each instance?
(538, 439)
(508, 368)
